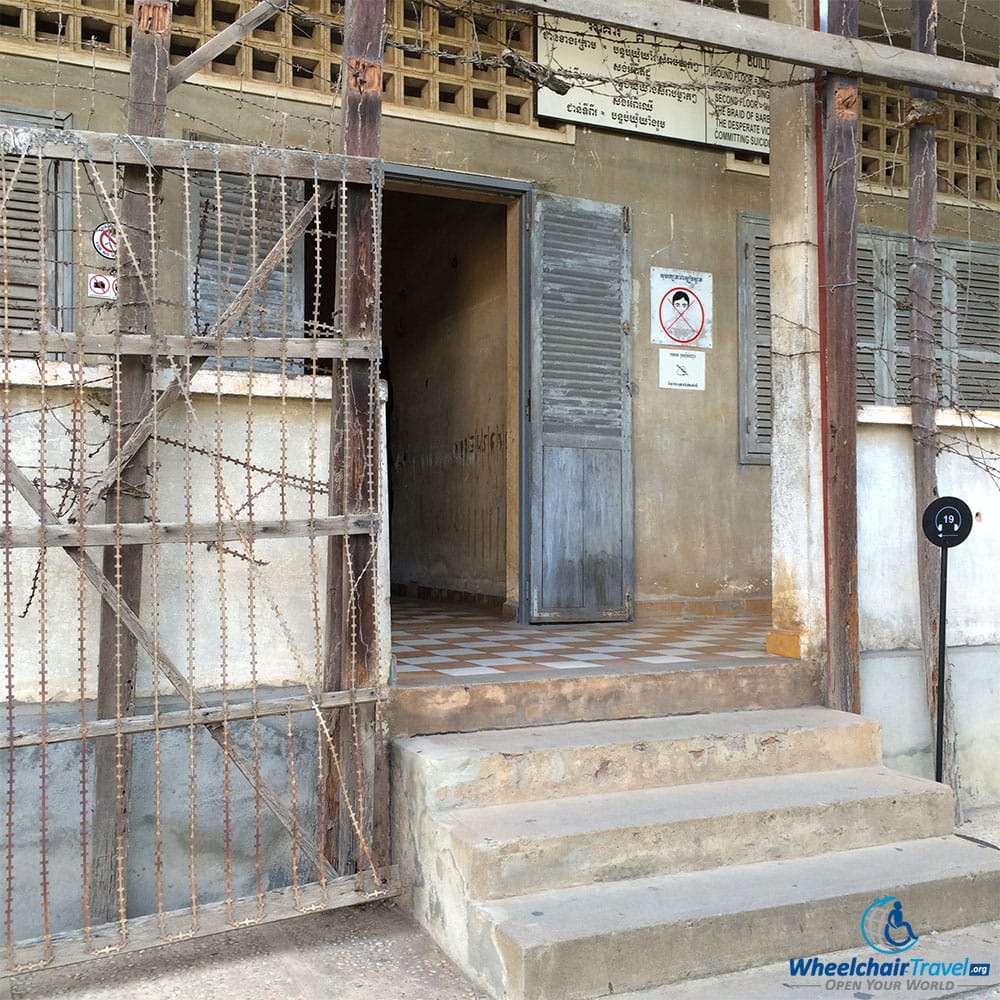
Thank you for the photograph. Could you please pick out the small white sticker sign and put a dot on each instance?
(102, 286)
(681, 307)
(682, 370)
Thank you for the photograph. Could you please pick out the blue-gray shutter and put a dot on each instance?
(868, 303)
(900, 323)
(580, 482)
(976, 357)
(754, 295)
(965, 300)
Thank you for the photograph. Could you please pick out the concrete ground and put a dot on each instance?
(371, 952)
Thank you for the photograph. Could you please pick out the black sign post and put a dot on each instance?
(947, 523)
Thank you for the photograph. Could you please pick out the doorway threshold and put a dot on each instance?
(461, 669)
(435, 644)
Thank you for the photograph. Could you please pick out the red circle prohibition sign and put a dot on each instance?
(106, 240)
(686, 323)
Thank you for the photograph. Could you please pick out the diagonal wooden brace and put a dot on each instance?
(225, 39)
(244, 763)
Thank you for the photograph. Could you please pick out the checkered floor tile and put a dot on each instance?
(440, 644)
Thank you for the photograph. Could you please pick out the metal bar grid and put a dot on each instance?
(227, 810)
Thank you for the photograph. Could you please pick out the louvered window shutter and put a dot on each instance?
(975, 359)
(755, 340)
(899, 256)
(237, 224)
(870, 348)
(965, 300)
(29, 221)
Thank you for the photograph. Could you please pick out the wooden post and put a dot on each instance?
(130, 399)
(923, 368)
(351, 634)
(839, 354)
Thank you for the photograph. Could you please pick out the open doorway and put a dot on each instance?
(450, 334)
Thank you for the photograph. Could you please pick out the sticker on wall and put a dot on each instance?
(681, 306)
(106, 240)
(102, 286)
(682, 370)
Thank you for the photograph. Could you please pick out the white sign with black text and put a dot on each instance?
(682, 370)
(654, 85)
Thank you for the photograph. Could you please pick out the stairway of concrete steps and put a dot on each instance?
(587, 859)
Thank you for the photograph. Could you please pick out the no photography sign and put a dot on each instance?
(681, 308)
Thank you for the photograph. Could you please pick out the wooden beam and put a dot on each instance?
(840, 394)
(721, 29)
(921, 117)
(183, 718)
(165, 154)
(112, 598)
(225, 39)
(175, 345)
(178, 532)
(351, 654)
(126, 503)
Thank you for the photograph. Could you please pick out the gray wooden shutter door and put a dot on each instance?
(580, 421)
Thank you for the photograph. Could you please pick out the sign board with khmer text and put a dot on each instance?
(653, 85)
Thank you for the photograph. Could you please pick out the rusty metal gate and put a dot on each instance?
(194, 643)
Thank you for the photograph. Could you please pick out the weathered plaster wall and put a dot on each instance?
(888, 537)
(892, 691)
(190, 797)
(444, 330)
(892, 683)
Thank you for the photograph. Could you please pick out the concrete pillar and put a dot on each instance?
(798, 591)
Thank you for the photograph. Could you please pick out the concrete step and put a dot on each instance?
(560, 761)
(612, 937)
(607, 691)
(508, 850)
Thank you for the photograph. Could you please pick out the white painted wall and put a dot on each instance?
(888, 536)
(888, 533)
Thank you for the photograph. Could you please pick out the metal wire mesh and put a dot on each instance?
(177, 697)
